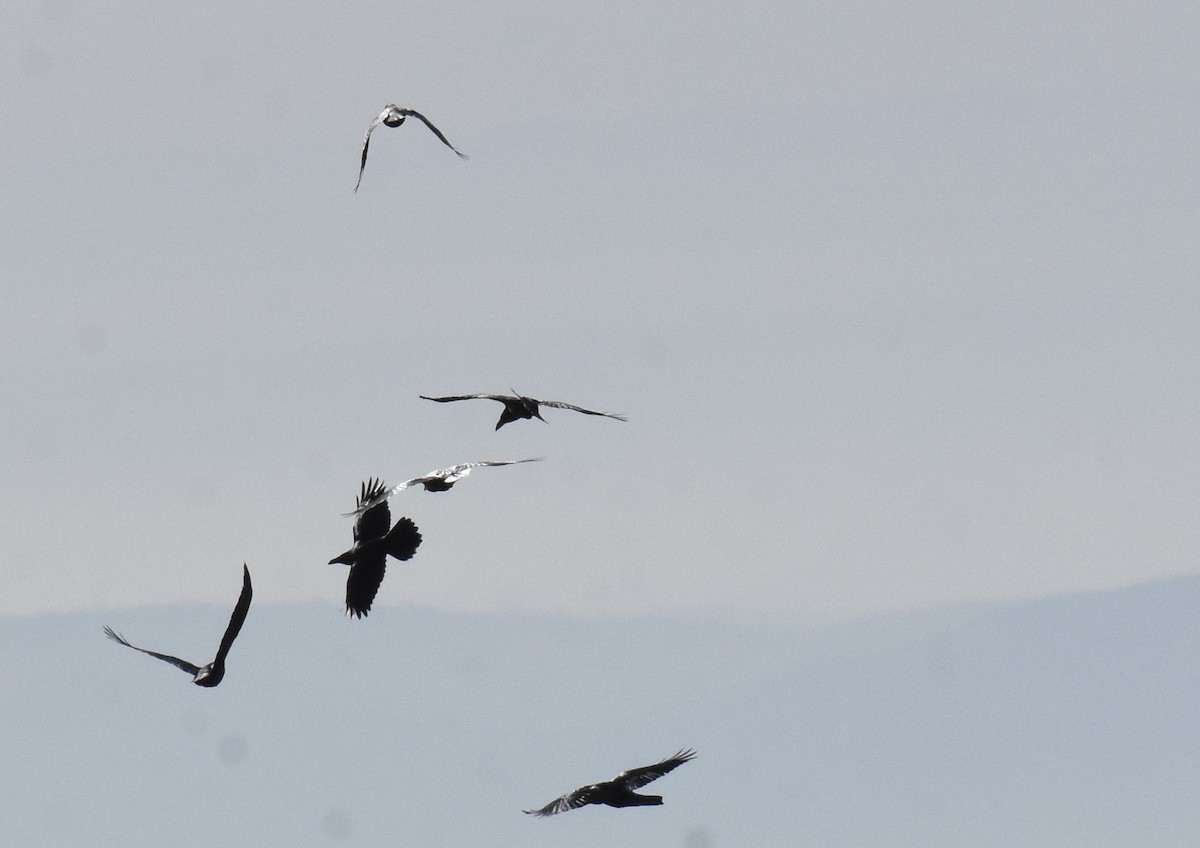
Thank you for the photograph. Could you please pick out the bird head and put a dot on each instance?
(530, 405)
(209, 676)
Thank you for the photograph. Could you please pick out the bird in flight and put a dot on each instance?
(393, 116)
(617, 792)
(519, 406)
(211, 674)
(375, 539)
(441, 480)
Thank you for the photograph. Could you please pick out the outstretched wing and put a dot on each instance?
(571, 801)
(489, 462)
(560, 405)
(435, 130)
(238, 618)
(363, 581)
(175, 661)
(367, 143)
(457, 472)
(638, 777)
(452, 398)
(381, 496)
(374, 517)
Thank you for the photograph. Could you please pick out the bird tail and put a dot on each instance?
(403, 539)
(635, 800)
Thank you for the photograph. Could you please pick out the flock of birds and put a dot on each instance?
(376, 538)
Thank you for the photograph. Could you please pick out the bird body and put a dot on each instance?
(517, 406)
(375, 539)
(441, 480)
(618, 792)
(213, 673)
(393, 116)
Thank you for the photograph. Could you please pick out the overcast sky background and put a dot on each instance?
(900, 303)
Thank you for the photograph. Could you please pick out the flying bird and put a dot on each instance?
(375, 539)
(441, 480)
(393, 116)
(519, 406)
(617, 792)
(211, 674)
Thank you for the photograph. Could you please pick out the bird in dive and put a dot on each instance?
(441, 480)
(375, 539)
(211, 674)
(517, 406)
(617, 792)
(393, 116)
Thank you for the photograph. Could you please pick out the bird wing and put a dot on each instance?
(238, 618)
(571, 801)
(489, 462)
(382, 495)
(451, 398)
(435, 130)
(638, 777)
(367, 143)
(374, 517)
(175, 661)
(457, 472)
(560, 405)
(363, 581)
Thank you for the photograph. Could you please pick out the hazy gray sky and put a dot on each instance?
(900, 301)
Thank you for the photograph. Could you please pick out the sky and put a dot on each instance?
(899, 302)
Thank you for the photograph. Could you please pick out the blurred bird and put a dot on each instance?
(617, 792)
(519, 406)
(441, 480)
(393, 116)
(374, 542)
(211, 674)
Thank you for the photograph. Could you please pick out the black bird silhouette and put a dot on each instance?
(617, 792)
(211, 674)
(441, 480)
(374, 542)
(518, 406)
(393, 116)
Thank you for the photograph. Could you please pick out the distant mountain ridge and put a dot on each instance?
(1059, 721)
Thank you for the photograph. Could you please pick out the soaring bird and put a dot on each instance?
(519, 406)
(393, 116)
(441, 480)
(211, 674)
(617, 792)
(375, 539)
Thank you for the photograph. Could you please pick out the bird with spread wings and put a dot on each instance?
(211, 674)
(617, 792)
(441, 480)
(375, 539)
(517, 406)
(393, 116)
